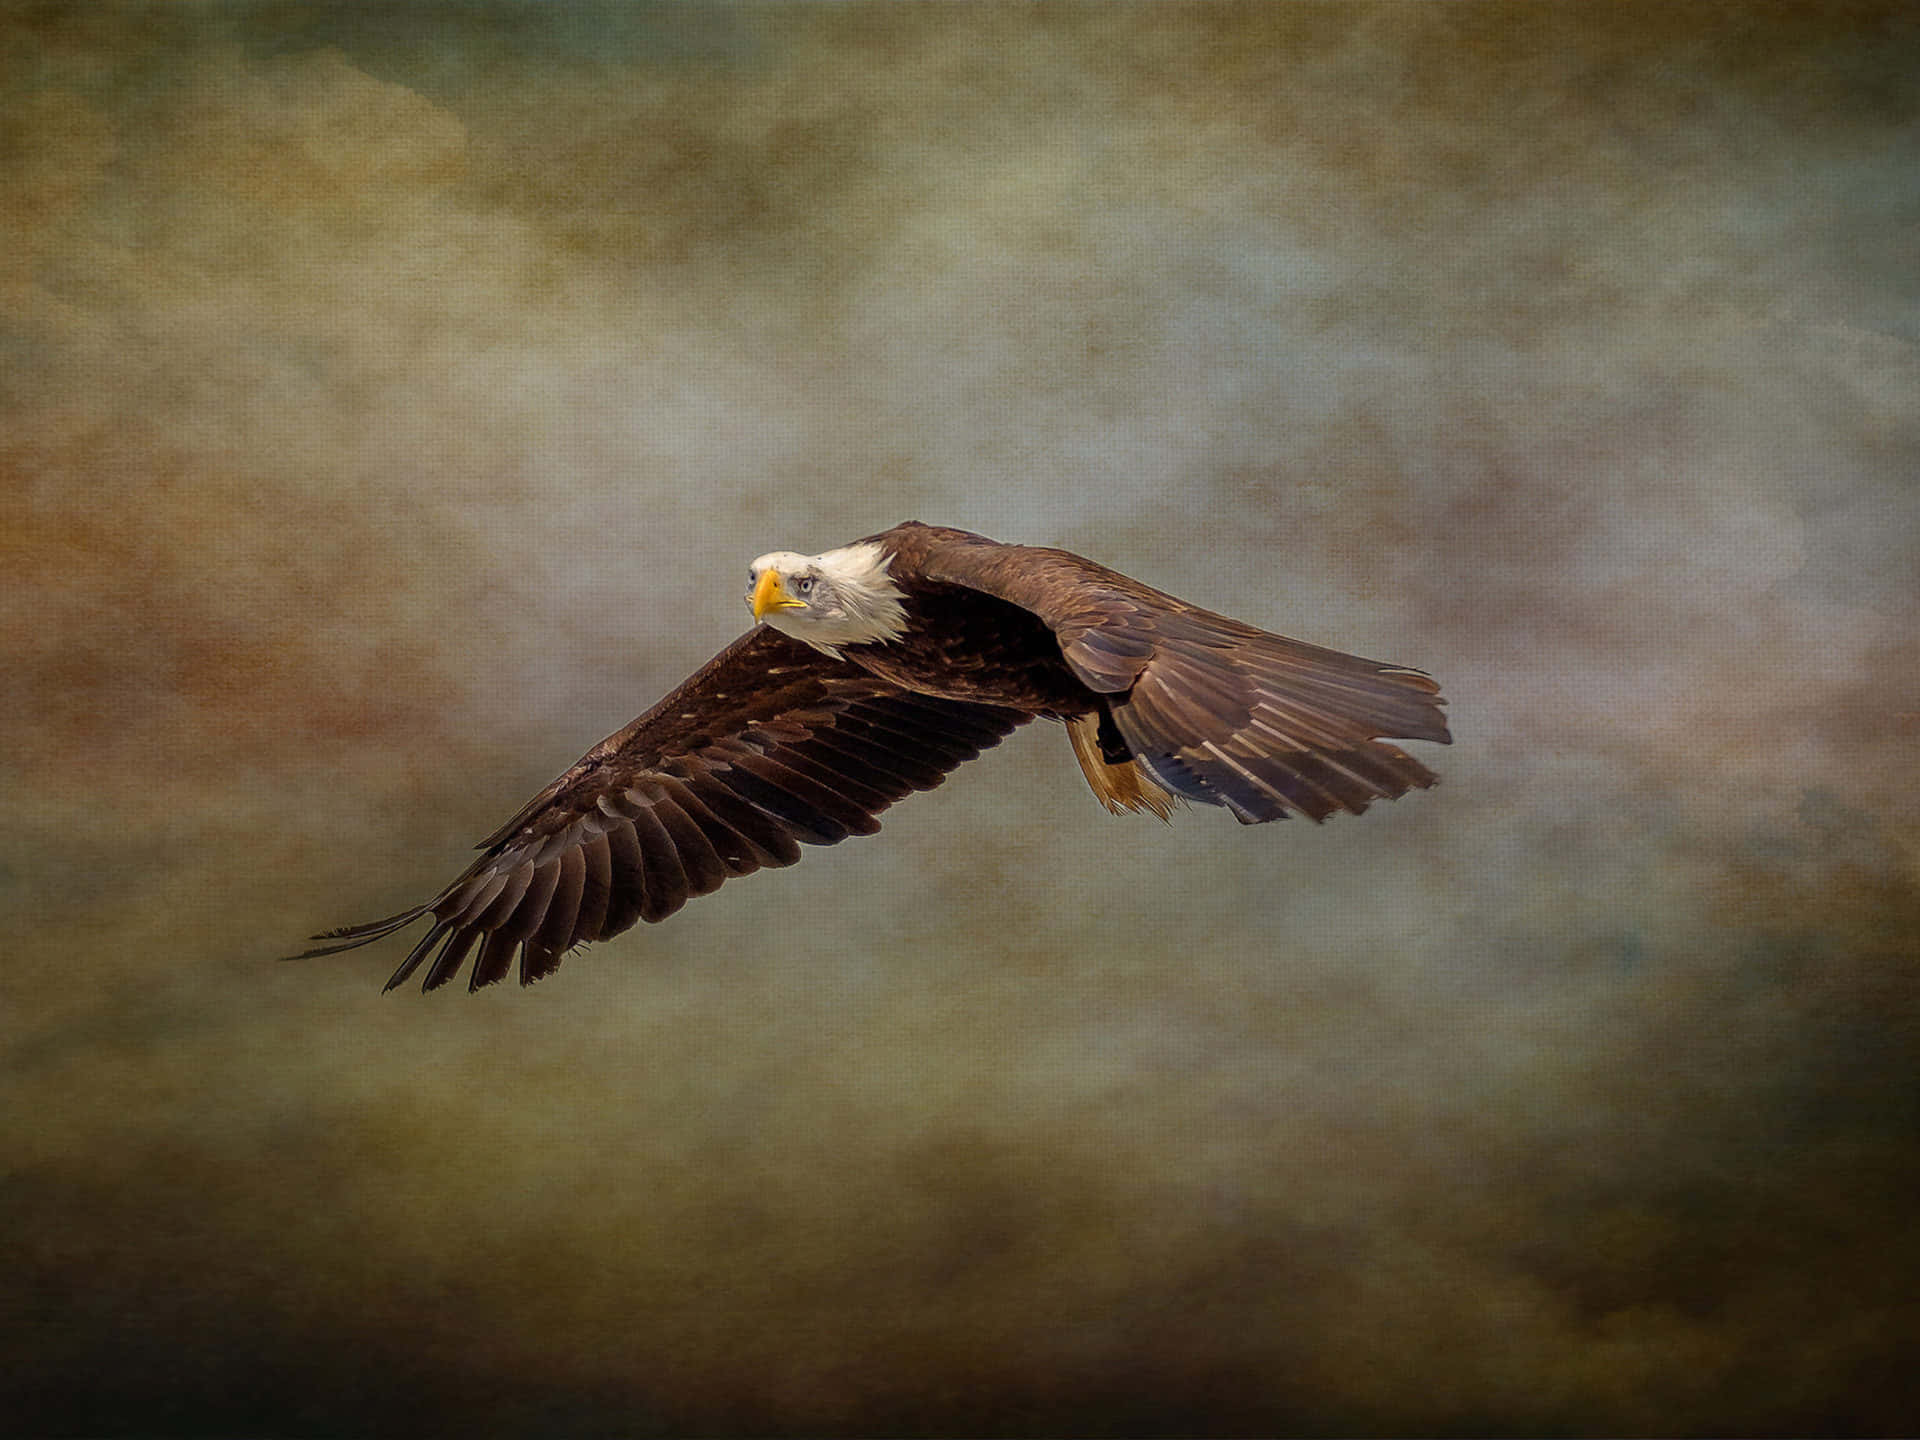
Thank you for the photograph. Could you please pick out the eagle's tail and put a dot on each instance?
(1120, 785)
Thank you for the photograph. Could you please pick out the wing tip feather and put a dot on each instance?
(352, 937)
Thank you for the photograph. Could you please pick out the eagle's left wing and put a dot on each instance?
(769, 746)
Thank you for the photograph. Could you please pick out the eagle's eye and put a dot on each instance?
(805, 585)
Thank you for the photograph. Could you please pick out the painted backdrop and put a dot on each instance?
(391, 403)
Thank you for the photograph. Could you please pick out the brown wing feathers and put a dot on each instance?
(1213, 710)
(1270, 727)
(770, 747)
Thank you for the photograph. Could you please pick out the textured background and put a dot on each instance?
(391, 404)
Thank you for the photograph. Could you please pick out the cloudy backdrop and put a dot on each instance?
(389, 405)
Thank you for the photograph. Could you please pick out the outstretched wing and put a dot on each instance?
(1211, 709)
(771, 745)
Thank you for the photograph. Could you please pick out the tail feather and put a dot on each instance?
(1119, 786)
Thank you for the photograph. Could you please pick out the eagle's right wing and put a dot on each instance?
(1212, 709)
(769, 746)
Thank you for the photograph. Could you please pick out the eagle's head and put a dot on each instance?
(839, 597)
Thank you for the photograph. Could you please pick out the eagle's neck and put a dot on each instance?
(870, 604)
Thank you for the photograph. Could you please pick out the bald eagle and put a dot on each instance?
(873, 670)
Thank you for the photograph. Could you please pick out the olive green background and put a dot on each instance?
(392, 401)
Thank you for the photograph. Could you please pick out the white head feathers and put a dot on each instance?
(839, 597)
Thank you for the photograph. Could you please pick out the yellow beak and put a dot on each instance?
(771, 594)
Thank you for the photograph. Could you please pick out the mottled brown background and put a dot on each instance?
(391, 403)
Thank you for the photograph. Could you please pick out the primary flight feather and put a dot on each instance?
(872, 671)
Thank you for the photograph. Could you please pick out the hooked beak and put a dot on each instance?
(770, 593)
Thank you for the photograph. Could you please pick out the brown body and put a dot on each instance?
(773, 743)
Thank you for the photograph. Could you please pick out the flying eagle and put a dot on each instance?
(872, 671)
